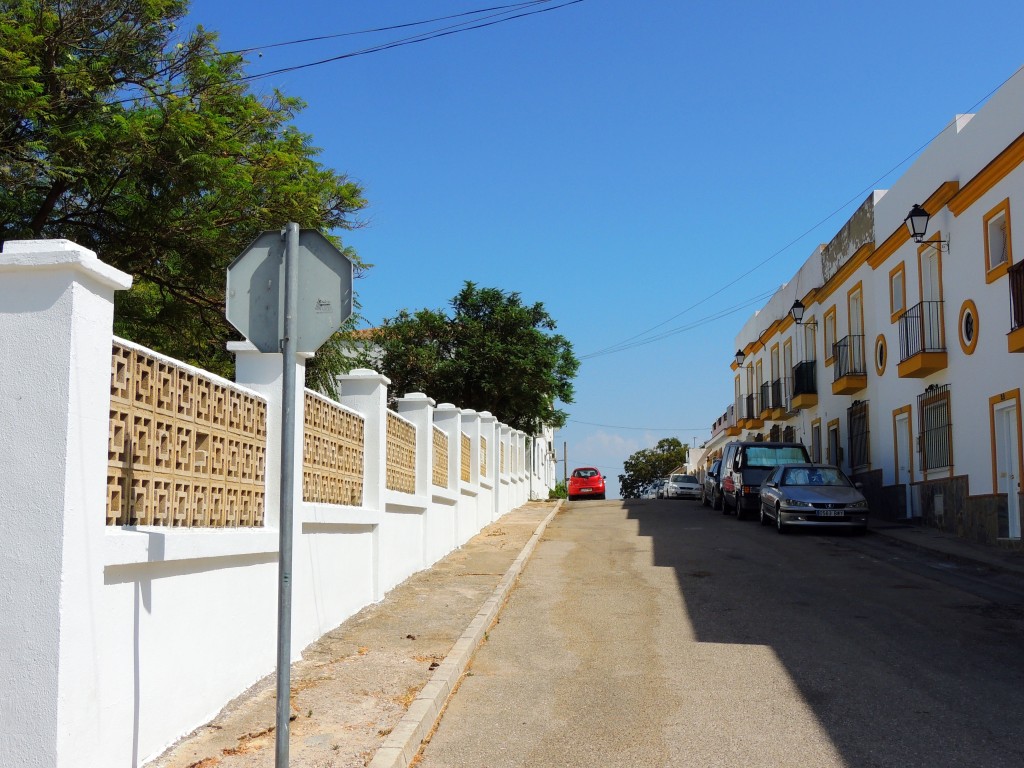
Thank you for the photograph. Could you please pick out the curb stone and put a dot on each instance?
(403, 743)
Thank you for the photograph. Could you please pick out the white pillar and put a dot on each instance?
(263, 372)
(56, 315)
(419, 409)
(366, 393)
(448, 418)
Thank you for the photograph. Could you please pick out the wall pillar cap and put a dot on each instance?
(447, 407)
(468, 412)
(417, 396)
(26, 255)
(365, 373)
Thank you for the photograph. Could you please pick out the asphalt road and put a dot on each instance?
(660, 633)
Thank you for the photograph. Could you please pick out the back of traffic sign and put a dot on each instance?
(255, 291)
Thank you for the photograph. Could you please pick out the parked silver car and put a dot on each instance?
(812, 495)
(682, 487)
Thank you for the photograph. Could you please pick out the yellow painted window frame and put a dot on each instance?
(896, 312)
(829, 322)
(994, 273)
(829, 459)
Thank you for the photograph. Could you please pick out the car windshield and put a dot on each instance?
(815, 476)
(683, 479)
(772, 456)
(584, 473)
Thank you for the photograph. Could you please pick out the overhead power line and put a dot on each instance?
(641, 429)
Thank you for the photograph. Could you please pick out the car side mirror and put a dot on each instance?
(859, 486)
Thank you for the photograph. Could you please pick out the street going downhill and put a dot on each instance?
(660, 633)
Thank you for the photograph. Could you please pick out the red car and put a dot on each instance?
(586, 482)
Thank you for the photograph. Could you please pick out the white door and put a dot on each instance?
(1007, 462)
(904, 441)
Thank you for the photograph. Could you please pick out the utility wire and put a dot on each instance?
(421, 38)
(337, 35)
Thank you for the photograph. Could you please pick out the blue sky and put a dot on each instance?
(630, 165)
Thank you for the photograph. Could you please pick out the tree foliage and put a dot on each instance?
(646, 466)
(491, 353)
(143, 143)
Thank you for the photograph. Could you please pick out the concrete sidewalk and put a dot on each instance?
(368, 692)
(951, 546)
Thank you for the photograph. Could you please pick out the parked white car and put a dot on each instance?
(682, 487)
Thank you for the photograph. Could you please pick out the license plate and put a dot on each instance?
(586, 490)
(830, 513)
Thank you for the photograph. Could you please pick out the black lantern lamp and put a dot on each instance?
(917, 222)
(797, 311)
(740, 357)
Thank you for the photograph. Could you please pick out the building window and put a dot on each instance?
(936, 443)
(998, 251)
(968, 327)
(881, 354)
(897, 292)
(789, 435)
(816, 441)
(830, 335)
(857, 430)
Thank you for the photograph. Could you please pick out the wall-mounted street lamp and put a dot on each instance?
(797, 311)
(917, 223)
(740, 357)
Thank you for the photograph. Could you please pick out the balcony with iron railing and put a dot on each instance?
(750, 412)
(1015, 339)
(778, 399)
(765, 400)
(922, 340)
(849, 372)
(805, 385)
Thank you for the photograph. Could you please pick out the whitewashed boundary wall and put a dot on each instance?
(116, 639)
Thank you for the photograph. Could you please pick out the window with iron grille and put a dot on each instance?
(789, 435)
(775, 434)
(857, 423)
(935, 440)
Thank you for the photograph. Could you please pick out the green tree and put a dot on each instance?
(492, 353)
(143, 143)
(646, 466)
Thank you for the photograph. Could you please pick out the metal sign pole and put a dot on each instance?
(284, 589)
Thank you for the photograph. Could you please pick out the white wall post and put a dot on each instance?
(263, 372)
(56, 299)
(419, 409)
(366, 392)
(489, 430)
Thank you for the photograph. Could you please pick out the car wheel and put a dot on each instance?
(739, 509)
(601, 497)
(763, 517)
(779, 525)
(725, 505)
(704, 498)
(716, 501)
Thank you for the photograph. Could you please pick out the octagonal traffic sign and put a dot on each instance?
(255, 291)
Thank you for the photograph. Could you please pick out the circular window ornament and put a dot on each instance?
(969, 327)
(881, 354)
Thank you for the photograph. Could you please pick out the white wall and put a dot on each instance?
(119, 640)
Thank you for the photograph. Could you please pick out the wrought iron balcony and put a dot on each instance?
(849, 372)
(922, 340)
(1016, 279)
(805, 381)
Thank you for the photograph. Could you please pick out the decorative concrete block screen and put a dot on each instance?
(483, 457)
(439, 470)
(401, 454)
(465, 458)
(332, 453)
(186, 449)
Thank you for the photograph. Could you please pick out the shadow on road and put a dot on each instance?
(899, 667)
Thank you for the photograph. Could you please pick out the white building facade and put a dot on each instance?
(907, 367)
